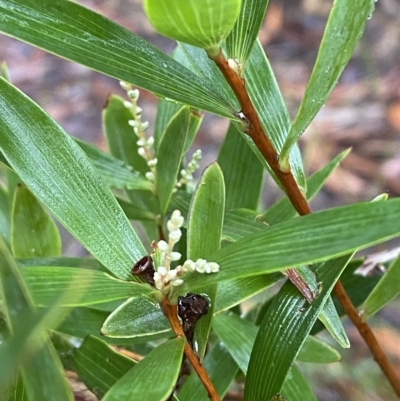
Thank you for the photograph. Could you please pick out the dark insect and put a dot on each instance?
(190, 309)
(144, 268)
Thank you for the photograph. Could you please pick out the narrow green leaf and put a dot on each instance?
(33, 232)
(240, 167)
(316, 351)
(221, 369)
(284, 210)
(17, 392)
(387, 288)
(241, 40)
(64, 261)
(203, 25)
(78, 34)
(283, 331)
(343, 30)
(4, 71)
(134, 212)
(169, 156)
(98, 366)
(135, 318)
(5, 215)
(46, 283)
(195, 120)
(150, 379)
(306, 240)
(205, 220)
(240, 223)
(119, 134)
(296, 387)
(165, 111)
(115, 172)
(65, 181)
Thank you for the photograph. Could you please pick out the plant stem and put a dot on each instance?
(257, 134)
(171, 314)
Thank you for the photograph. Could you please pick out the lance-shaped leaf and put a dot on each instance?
(169, 156)
(65, 181)
(5, 215)
(205, 220)
(46, 283)
(122, 141)
(202, 24)
(135, 318)
(241, 40)
(153, 378)
(283, 331)
(240, 167)
(387, 288)
(115, 172)
(306, 240)
(34, 233)
(344, 28)
(78, 34)
(296, 387)
(98, 366)
(28, 341)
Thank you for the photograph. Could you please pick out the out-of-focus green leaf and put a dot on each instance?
(115, 172)
(33, 232)
(239, 165)
(64, 261)
(284, 210)
(150, 379)
(5, 215)
(119, 134)
(296, 387)
(78, 34)
(65, 181)
(27, 345)
(202, 24)
(133, 212)
(169, 156)
(305, 240)
(4, 71)
(98, 366)
(134, 318)
(343, 30)
(46, 283)
(284, 330)
(316, 351)
(206, 215)
(241, 40)
(387, 288)
(17, 392)
(221, 369)
(165, 111)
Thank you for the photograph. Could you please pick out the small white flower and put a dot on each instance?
(183, 173)
(214, 267)
(177, 282)
(141, 152)
(174, 256)
(201, 265)
(150, 141)
(189, 266)
(175, 235)
(144, 124)
(132, 123)
(176, 220)
(152, 163)
(140, 142)
(150, 176)
(162, 270)
(171, 275)
(138, 111)
(128, 105)
(125, 86)
(162, 246)
(133, 94)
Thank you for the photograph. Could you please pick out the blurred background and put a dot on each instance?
(363, 112)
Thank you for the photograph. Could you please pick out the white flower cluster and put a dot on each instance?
(146, 145)
(194, 164)
(164, 277)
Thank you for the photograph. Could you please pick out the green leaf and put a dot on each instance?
(115, 172)
(16, 392)
(169, 156)
(283, 331)
(78, 34)
(65, 181)
(135, 318)
(305, 240)
(343, 30)
(150, 379)
(95, 287)
(121, 140)
(387, 288)
(98, 366)
(271, 108)
(64, 261)
(220, 368)
(240, 167)
(284, 210)
(28, 341)
(316, 351)
(296, 387)
(241, 40)
(240, 223)
(204, 231)
(5, 215)
(33, 232)
(202, 24)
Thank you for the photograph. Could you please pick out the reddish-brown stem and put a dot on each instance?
(368, 336)
(171, 314)
(257, 134)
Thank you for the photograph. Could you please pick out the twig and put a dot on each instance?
(171, 314)
(368, 336)
(256, 132)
